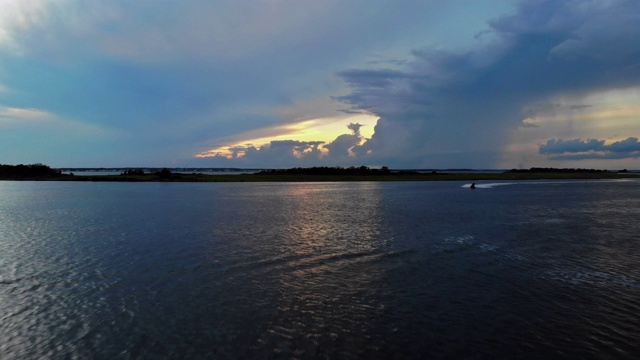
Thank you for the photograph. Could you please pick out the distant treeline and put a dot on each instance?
(152, 169)
(33, 171)
(324, 170)
(164, 174)
(555, 170)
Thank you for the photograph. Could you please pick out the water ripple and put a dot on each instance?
(319, 270)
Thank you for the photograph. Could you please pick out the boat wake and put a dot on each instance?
(487, 185)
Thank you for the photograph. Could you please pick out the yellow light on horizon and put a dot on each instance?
(610, 115)
(320, 129)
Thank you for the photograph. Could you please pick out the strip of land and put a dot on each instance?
(39, 172)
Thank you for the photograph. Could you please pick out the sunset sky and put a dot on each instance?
(282, 83)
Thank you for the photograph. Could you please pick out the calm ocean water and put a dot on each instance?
(546, 270)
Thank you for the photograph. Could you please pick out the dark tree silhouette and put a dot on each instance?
(164, 174)
(133, 172)
(33, 171)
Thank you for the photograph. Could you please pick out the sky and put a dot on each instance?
(481, 84)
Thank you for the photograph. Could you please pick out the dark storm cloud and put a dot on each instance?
(560, 146)
(578, 149)
(371, 79)
(625, 146)
(457, 106)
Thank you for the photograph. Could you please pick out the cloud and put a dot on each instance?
(277, 153)
(560, 146)
(351, 112)
(458, 106)
(176, 75)
(625, 146)
(28, 118)
(529, 123)
(30, 135)
(578, 149)
(341, 147)
(288, 153)
(20, 115)
(283, 151)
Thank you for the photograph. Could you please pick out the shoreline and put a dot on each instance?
(509, 176)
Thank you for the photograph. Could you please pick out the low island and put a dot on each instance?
(40, 172)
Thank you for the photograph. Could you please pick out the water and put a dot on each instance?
(320, 270)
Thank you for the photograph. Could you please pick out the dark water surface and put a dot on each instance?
(546, 270)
